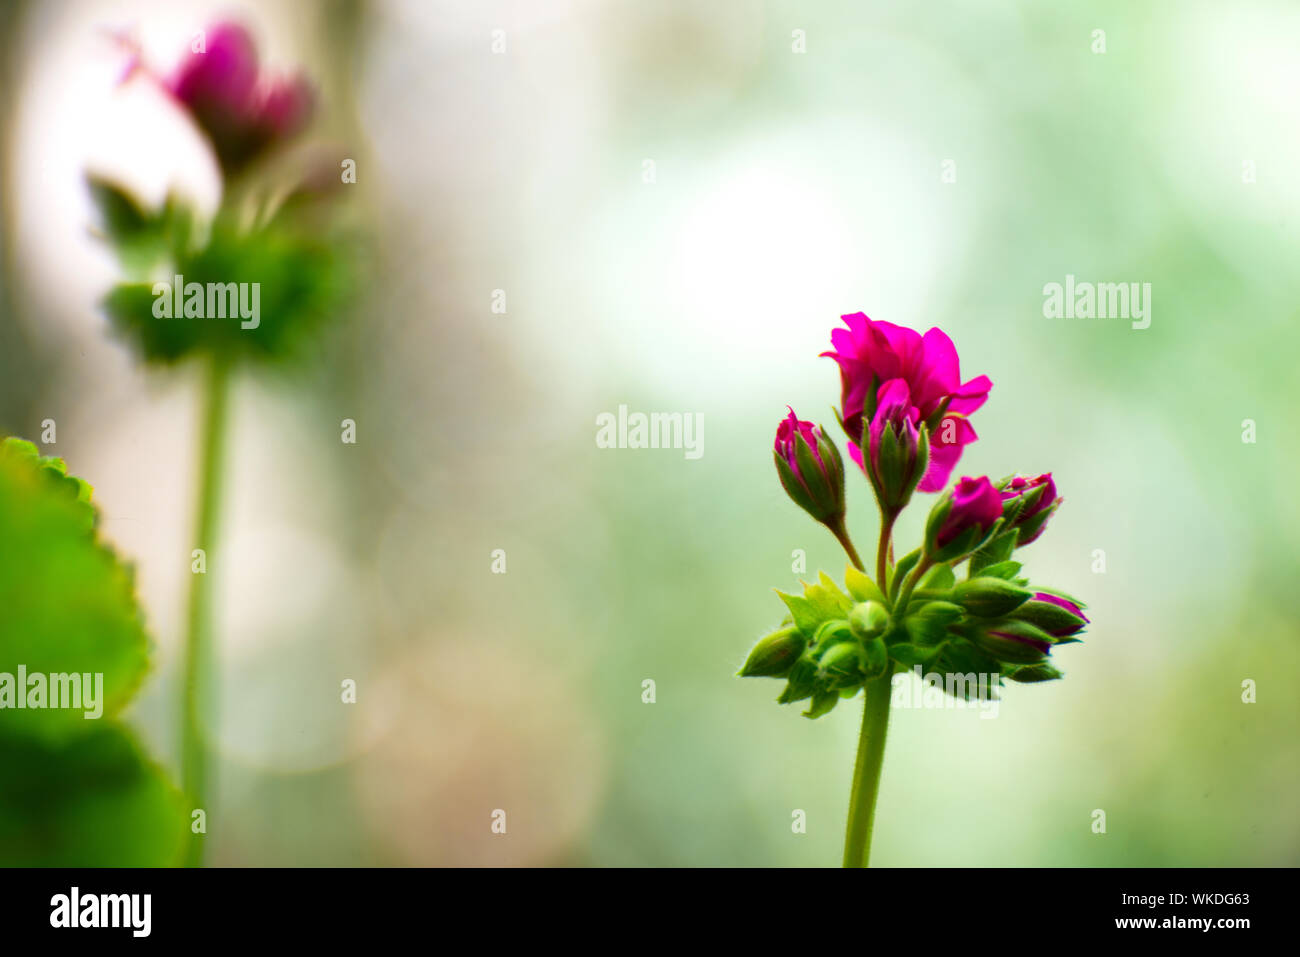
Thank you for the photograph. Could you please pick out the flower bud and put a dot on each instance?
(990, 597)
(1028, 674)
(1017, 642)
(810, 469)
(869, 619)
(1057, 616)
(897, 452)
(1028, 503)
(962, 519)
(841, 665)
(801, 682)
(774, 655)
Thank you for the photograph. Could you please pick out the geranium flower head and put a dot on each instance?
(871, 353)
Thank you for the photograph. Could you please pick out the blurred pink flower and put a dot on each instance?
(243, 113)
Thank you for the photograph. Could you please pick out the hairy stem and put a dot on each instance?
(842, 536)
(197, 693)
(866, 771)
(909, 583)
(883, 549)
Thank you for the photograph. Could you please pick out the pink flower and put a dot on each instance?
(871, 354)
(810, 469)
(1040, 500)
(975, 504)
(241, 112)
(790, 428)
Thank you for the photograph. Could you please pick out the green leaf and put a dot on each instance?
(75, 789)
(1005, 570)
(823, 702)
(302, 278)
(938, 578)
(819, 603)
(905, 565)
(138, 236)
(861, 587)
(94, 801)
(67, 603)
(997, 550)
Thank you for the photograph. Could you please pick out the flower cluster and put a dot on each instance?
(277, 233)
(906, 412)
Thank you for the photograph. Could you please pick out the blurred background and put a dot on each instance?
(670, 205)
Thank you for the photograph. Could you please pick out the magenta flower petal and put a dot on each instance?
(789, 428)
(938, 374)
(971, 395)
(946, 443)
(871, 353)
(223, 76)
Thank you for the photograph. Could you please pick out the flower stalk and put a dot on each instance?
(198, 693)
(866, 770)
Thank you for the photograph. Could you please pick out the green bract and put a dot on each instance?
(296, 273)
(840, 638)
(75, 790)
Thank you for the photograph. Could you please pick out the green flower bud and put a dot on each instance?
(990, 597)
(875, 657)
(1016, 642)
(801, 682)
(830, 633)
(869, 619)
(774, 655)
(1056, 616)
(841, 665)
(1033, 673)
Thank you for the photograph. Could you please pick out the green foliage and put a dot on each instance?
(303, 272)
(75, 790)
(834, 642)
(95, 801)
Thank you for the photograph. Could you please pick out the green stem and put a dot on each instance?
(866, 772)
(842, 536)
(197, 698)
(887, 519)
(909, 583)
